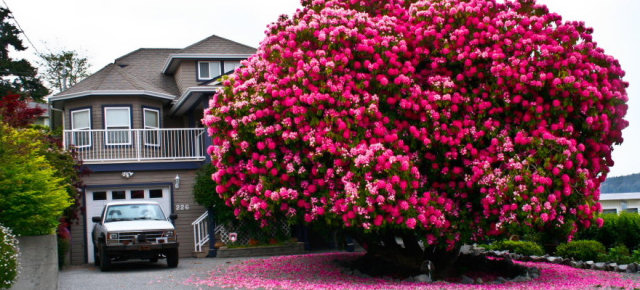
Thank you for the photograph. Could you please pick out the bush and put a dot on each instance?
(63, 249)
(204, 192)
(32, 196)
(521, 247)
(619, 254)
(8, 257)
(405, 116)
(617, 229)
(584, 250)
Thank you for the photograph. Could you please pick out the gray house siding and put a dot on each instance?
(181, 196)
(97, 104)
(186, 75)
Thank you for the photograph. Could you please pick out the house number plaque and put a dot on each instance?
(182, 206)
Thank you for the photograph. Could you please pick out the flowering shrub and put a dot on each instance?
(450, 119)
(8, 257)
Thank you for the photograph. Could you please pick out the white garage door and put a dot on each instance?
(97, 198)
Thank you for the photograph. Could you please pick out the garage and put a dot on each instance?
(96, 198)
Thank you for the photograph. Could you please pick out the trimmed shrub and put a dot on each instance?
(521, 247)
(619, 254)
(617, 229)
(584, 250)
(32, 196)
(8, 257)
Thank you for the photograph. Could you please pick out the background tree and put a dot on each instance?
(16, 76)
(437, 122)
(64, 69)
(17, 113)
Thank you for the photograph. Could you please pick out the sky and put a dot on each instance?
(103, 30)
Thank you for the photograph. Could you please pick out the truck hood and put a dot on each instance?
(139, 225)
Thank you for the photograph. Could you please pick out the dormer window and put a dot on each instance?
(208, 70)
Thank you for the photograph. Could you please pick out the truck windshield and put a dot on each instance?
(129, 212)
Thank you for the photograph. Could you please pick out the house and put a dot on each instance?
(619, 202)
(136, 125)
(44, 119)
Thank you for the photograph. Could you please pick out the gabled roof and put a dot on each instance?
(146, 71)
(212, 47)
(137, 72)
(217, 45)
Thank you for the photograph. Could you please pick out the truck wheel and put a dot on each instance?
(172, 258)
(96, 258)
(105, 263)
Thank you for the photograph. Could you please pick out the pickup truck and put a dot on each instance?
(134, 230)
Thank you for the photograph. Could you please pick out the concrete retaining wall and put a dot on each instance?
(38, 263)
(297, 248)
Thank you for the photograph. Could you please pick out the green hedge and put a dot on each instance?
(8, 257)
(521, 247)
(623, 229)
(584, 250)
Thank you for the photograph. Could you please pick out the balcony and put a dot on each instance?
(137, 145)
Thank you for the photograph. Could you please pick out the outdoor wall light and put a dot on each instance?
(127, 174)
(177, 181)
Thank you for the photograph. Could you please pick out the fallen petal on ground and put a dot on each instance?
(320, 271)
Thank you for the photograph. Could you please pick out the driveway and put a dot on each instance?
(140, 275)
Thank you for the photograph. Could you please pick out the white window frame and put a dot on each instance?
(75, 130)
(210, 65)
(120, 128)
(146, 127)
(236, 65)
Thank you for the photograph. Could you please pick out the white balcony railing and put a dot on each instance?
(127, 145)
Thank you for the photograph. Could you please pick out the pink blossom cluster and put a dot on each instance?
(320, 271)
(455, 119)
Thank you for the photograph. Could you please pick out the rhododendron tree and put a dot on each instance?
(442, 121)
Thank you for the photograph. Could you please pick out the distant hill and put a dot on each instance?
(620, 184)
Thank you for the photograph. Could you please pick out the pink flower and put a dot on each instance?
(411, 223)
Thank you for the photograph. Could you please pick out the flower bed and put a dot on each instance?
(320, 271)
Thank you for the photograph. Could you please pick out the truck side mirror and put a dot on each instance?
(173, 216)
(96, 219)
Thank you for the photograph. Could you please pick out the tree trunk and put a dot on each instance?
(385, 254)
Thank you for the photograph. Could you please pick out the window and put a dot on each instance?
(632, 209)
(120, 194)
(81, 128)
(99, 195)
(231, 65)
(151, 126)
(137, 194)
(610, 210)
(155, 193)
(208, 70)
(117, 122)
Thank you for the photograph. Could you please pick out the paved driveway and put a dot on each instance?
(140, 275)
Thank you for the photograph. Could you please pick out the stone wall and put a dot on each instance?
(38, 263)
